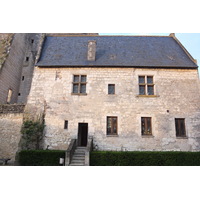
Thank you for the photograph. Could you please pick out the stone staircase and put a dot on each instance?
(78, 158)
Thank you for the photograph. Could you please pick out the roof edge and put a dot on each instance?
(111, 66)
(70, 34)
(184, 49)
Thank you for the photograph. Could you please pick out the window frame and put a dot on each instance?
(178, 128)
(9, 96)
(145, 132)
(146, 85)
(66, 124)
(112, 126)
(109, 85)
(79, 83)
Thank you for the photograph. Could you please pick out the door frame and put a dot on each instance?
(82, 134)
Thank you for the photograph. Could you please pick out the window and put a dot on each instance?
(180, 127)
(146, 85)
(66, 124)
(32, 41)
(146, 126)
(111, 88)
(79, 84)
(9, 96)
(111, 125)
(27, 59)
(22, 78)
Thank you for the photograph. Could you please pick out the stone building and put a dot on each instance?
(128, 93)
(17, 58)
(134, 93)
(18, 53)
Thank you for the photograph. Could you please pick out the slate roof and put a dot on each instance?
(119, 51)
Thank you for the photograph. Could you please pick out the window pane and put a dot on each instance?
(177, 127)
(9, 96)
(150, 90)
(141, 79)
(143, 125)
(180, 127)
(83, 78)
(150, 79)
(109, 123)
(66, 124)
(75, 88)
(83, 88)
(111, 89)
(142, 90)
(146, 126)
(148, 131)
(114, 125)
(76, 78)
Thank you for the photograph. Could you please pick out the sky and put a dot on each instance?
(191, 41)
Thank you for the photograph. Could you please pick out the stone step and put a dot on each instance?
(77, 160)
(81, 147)
(79, 156)
(77, 165)
(79, 152)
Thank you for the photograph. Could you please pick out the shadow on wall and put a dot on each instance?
(10, 127)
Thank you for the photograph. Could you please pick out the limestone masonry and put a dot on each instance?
(176, 96)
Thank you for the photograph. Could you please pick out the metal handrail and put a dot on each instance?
(70, 151)
(89, 148)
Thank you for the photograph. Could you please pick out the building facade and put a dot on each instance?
(17, 59)
(130, 93)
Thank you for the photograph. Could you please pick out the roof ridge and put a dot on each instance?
(48, 35)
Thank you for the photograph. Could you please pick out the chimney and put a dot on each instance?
(91, 50)
(172, 35)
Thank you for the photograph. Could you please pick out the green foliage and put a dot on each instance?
(110, 158)
(40, 157)
(32, 134)
(31, 127)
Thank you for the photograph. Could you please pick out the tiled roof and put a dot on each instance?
(119, 51)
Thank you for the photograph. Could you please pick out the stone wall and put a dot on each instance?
(32, 45)
(11, 108)
(5, 43)
(17, 58)
(176, 96)
(11, 119)
(10, 74)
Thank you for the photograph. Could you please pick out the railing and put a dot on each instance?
(70, 151)
(88, 150)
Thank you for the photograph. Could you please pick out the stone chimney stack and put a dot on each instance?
(91, 50)
(172, 35)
